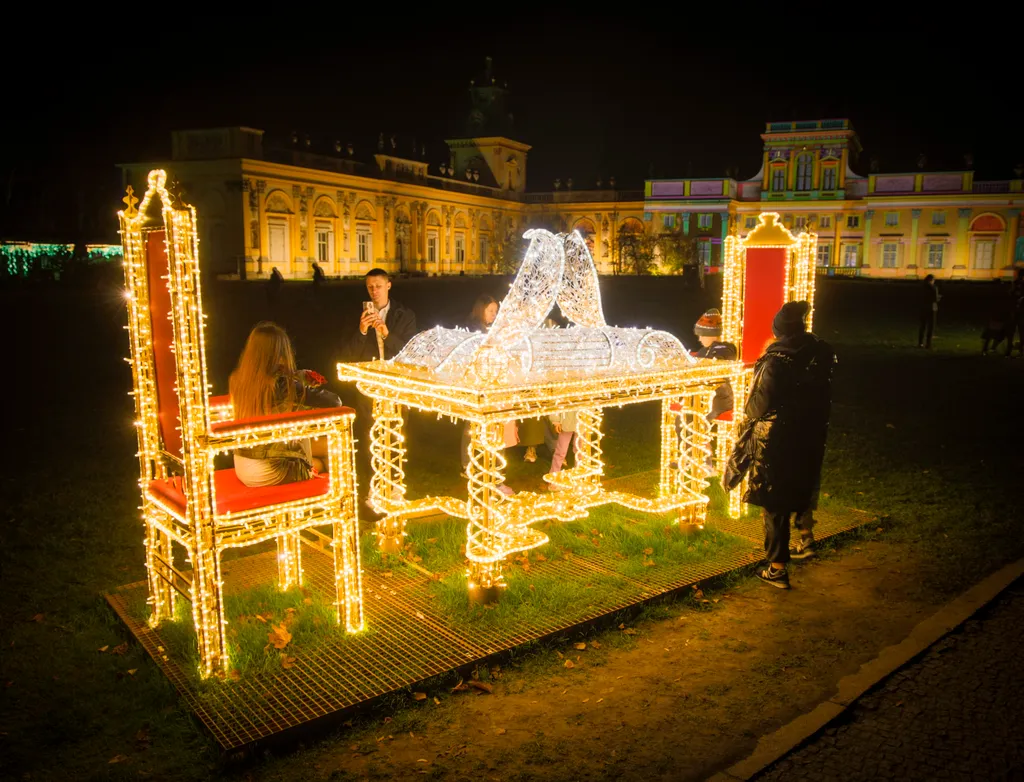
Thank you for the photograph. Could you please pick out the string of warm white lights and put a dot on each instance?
(195, 523)
(521, 369)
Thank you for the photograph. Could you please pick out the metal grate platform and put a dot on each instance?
(409, 639)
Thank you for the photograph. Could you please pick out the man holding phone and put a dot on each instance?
(384, 328)
(384, 325)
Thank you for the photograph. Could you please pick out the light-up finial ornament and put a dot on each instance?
(130, 201)
(157, 179)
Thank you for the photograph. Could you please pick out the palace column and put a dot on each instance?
(261, 224)
(1012, 227)
(866, 255)
(962, 254)
(834, 261)
(915, 215)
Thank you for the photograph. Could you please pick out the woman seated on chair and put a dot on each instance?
(266, 382)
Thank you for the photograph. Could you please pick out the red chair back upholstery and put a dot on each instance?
(162, 330)
(763, 295)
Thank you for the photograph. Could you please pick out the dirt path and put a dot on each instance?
(684, 696)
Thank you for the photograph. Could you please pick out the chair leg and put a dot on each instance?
(159, 558)
(289, 561)
(348, 579)
(208, 612)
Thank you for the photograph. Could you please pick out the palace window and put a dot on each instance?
(364, 243)
(804, 170)
(851, 254)
(324, 243)
(668, 221)
(432, 247)
(892, 219)
(799, 222)
(938, 218)
(704, 221)
(890, 252)
(984, 254)
(853, 221)
(824, 255)
(935, 253)
(779, 178)
(704, 252)
(460, 249)
(828, 178)
(483, 250)
(825, 221)
(750, 222)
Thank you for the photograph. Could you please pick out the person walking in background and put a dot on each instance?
(1016, 325)
(999, 320)
(781, 442)
(928, 312)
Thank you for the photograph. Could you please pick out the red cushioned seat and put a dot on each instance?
(726, 416)
(223, 400)
(233, 496)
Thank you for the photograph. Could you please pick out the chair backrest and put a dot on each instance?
(763, 271)
(165, 321)
(162, 338)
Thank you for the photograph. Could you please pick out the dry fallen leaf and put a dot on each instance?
(586, 700)
(648, 551)
(595, 644)
(120, 648)
(279, 637)
(580, 646)
(629, 631)
(118, 759)
(570, 664)
(132, 671)
(103, 648)
(419, 696)
(484, 686)
(387, 574)
(288, 661)
(308, 601)
(600, 699)
(436, 701)
(39, 618)
(501, 731)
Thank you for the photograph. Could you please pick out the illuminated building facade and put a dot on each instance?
(880, 225)
(290, 206)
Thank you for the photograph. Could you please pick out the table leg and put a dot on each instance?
(487, 542)
(387, 482)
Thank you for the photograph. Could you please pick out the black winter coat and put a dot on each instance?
(401, 325)
(781, 441)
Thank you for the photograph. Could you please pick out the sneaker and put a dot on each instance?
(531, 454)
(777, 578)
(803, 548)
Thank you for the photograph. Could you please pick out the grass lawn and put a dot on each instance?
(928, 440)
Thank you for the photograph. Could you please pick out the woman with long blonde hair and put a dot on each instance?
(265, 382)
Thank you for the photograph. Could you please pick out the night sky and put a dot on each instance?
(593, 101)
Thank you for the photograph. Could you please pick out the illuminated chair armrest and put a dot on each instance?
(220, 408)
(280, 427)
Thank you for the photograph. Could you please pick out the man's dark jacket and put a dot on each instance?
(401, 323)
(781, 441)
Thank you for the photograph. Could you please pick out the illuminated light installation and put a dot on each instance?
(181, 430)
(522, 369)
(763, 270)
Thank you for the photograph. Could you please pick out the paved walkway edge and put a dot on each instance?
(775, 745)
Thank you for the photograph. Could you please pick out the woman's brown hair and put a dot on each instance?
(267, 355)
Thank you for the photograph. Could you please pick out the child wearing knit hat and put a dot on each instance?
(709, 330)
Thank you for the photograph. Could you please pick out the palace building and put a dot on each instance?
(264, 206)
(880, 225)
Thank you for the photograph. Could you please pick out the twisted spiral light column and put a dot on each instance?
(387, 459)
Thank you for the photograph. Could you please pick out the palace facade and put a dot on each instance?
(880, 225)
(289, 206)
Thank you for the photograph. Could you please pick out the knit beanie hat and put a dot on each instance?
(790, 319)
(709, 324)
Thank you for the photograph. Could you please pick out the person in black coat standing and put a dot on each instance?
(929, 310)
(385, 326)
(781, 442)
